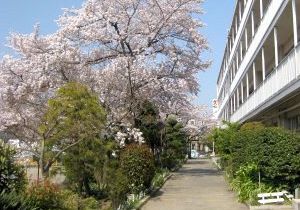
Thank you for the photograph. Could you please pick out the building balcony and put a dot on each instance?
(283, 80)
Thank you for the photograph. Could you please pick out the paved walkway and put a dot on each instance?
(197, 186)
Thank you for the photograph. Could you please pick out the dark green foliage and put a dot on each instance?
(12, 176)
(168, 159)
(15, 201)
(175, 148)
(137, 164)
(223, 138)
(118, 187)
(274, 150)
(81, 163)
(245, 183)
(73, 125)
(148, 122)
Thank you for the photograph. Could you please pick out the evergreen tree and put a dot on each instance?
(71, 128)
(175, 147)
(148, 122)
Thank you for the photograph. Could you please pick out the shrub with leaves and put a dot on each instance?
(137, 164)
(12, 176)
(15, 201)
(118, 187)
(245, 183)
(274, 150)
(223, 138)
(45, 196)
(159, 178)
(72, 201)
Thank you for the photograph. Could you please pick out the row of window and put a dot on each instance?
(257, 13)
(276, 47)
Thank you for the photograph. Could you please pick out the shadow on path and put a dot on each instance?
(198, 185)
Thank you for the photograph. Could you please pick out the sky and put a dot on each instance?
(20, 16)
(217, 17)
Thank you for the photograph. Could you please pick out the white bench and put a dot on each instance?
(288, 195)
(276, 197)
(270, 198)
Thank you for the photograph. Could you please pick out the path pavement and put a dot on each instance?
(197, 186)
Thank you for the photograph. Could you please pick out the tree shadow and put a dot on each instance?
(195, 161)
(157, 194)
(199, 172)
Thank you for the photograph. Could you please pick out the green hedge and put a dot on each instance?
(275, 152)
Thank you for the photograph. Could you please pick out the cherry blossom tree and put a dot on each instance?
(198, 120)
(126, 51)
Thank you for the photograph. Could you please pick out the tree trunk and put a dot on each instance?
(41, 160)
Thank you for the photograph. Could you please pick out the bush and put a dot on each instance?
(159, 178)
(168, 159)
(15, 201)
(252, 126)
(224, 137)
(45, 196)
(12, 176)
(245, 183)
(137, 164)
(272, 152)
(118, 187)
(276, 153)
(72, 201)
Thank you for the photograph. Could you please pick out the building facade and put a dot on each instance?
(259, 79)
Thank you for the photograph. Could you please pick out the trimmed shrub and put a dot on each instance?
(252, 126)
(223, 138)
(274, 150)
(12, 176)
(253, 149)
(137, 164)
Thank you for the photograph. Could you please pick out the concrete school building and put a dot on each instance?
(259, 79)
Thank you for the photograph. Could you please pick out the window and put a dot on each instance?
(294, 123)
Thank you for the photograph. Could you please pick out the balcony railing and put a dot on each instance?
(286, 72)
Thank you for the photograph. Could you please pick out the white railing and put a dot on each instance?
(265, 24)
(235, 48)
(286, 72)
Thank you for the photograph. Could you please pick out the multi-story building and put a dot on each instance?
(259, 78)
